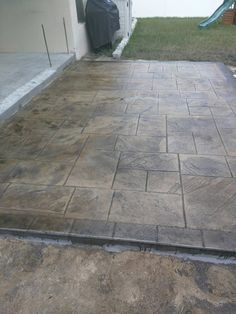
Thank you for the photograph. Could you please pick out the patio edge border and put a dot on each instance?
(94, 232)
(20, 97)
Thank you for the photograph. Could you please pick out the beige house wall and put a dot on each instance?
(20, 25)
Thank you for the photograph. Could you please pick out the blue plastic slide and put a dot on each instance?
(217, 14)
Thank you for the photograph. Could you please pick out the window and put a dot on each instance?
(80, 5)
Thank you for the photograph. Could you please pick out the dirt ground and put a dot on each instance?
(49, 278)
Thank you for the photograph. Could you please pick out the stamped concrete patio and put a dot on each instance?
(136, 151)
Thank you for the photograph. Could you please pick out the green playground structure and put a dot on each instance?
(217, 14)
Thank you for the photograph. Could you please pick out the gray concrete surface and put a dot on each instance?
(141, 151)
(39, 278)
(22, 74)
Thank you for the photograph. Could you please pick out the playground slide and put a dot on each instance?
(217, 14)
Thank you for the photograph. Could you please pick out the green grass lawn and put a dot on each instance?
(180, 39)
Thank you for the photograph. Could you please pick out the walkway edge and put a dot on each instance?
(11, 104)
(119, 50)
(122, 243)
(98, 231)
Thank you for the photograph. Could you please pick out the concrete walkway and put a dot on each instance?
(136, 151)
(24, 75)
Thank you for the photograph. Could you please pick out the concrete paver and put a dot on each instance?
(164, 182)
(210, 202)
(130, 179)
(126, 146)
(149, 144)
(90, 204)
(147, 208)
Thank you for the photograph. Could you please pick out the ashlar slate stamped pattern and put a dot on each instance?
(149, 144)
(147, 208)
(215, 166)
(130, 179)
(135, 146)
(94, 168)
(90, 204)
(209, 143)
(210, 202)
(164, 182)
(35, 172)
(65, 146)
(144, 105)
(6, 166)
(152, 125)
(36, 198)
(116, 124)
(149, 161)
(232, 165)
(3, 187)
(181, 143)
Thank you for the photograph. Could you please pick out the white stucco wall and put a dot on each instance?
(20, 26)
(79, 33)
(182, 8)
(125, 11)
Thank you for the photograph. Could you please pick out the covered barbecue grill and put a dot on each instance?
(102, 21)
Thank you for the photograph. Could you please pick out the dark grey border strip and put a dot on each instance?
(101, 241)
(139, 234)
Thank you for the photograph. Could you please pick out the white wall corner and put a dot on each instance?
(81, 44)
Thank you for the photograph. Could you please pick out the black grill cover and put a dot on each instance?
(102, 21)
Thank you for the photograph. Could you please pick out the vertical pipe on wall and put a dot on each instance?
(66, 37)
(46, 45)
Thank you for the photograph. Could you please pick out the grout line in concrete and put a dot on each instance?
(73, 166)
(109, 211)
(182, 193)
(68, 202)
